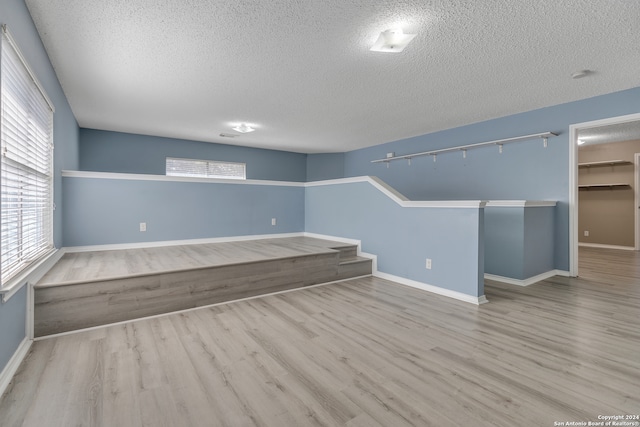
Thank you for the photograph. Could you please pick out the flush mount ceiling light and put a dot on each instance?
(580, 74)
(392, 41)
(580, 142)
(243, 128)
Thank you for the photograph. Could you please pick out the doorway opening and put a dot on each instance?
(606, 130)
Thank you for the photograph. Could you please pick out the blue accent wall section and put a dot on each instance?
(524, 171)
(109, 211)
(12, 325)
(519, 241)
(106, 151)
(504, 241)
(15, 14)
(539, 231)
(325, 166)
(403, 237)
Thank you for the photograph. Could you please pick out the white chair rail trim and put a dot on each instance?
(376, 182)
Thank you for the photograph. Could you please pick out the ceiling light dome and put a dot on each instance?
(243, 128)
(580, 74)
(393, 40)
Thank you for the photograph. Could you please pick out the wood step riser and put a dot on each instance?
(362, 267)
(71, 307)
(347, 252)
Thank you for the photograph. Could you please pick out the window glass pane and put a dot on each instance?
(26, 217)
(205, 169)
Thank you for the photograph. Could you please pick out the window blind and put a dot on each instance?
(26, 204)
(205, 169)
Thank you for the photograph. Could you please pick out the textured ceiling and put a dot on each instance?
(300, 71)
(629, 131)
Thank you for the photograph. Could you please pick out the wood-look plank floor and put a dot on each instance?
(366, 352)
(101, 265)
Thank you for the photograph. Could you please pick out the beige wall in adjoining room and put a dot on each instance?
(607, 214)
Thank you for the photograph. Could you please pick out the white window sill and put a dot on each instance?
(31, 274)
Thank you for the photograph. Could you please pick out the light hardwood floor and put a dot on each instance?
(366, 352)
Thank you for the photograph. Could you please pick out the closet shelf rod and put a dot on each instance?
(467, 147)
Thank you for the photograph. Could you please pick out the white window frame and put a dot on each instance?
(26, 134)
(207, 168)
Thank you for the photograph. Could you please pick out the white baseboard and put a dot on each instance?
(598, 245)
(563, 273)
(528, 281)
(403, 281)
(14, 363)
(143, 245)
(358, 243)
(335, 238)
(433, 289)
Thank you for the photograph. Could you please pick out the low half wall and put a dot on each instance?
(404, 234)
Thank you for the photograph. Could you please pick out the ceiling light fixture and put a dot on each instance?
(243, 128)
(392, 41)
(580, 142)
(580, 74)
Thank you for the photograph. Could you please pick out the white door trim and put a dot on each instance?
(573, 181)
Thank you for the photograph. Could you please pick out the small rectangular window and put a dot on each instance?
(205, 169)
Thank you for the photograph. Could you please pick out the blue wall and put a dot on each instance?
(14, 13)
(109, 211)
(539, 230)
(105, 151)
(504, 241)
(525, 170)
(519, 241)
(321, 167)
(12, 325)
(403, 237)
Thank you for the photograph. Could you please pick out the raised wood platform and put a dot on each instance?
(88, 289)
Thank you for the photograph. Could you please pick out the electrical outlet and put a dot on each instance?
(428, 264)
(143, 226)
(273, 221)
(390, 155)
(586, 233)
